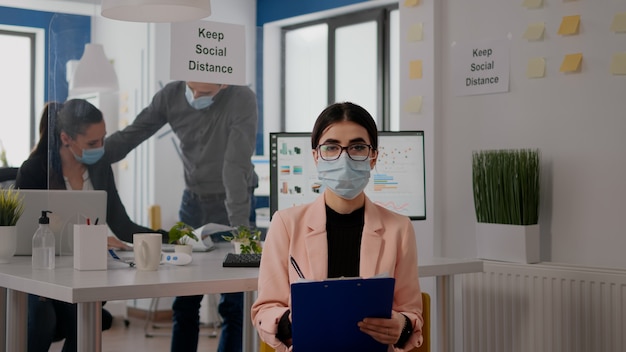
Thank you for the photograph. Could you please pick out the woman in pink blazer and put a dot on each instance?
(341, 233)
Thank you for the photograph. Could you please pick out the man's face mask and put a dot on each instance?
(199, 103)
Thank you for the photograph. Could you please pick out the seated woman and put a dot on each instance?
(341, 233)
(69, 156)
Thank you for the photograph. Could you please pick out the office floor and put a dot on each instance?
(132, 338)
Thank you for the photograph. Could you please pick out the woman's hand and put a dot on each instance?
(114, 243)
(386, 331)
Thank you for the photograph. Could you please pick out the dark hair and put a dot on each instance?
(72, 117)
(345, 111)
(75, 117)
(50, 109)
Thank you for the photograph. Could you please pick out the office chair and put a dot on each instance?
(425, 347)
(7, 176)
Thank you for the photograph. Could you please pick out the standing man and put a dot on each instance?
(216, 125)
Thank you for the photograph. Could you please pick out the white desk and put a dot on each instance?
(204, 275)
(89, 288)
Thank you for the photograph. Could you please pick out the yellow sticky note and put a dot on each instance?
(571, 62)
(569, 25)
(415, 69)
(414, 105)
(536, 67)
(534, 31)
(411, 3)
(618, 64)
(532, 4)
(416, 33)
(619, 23)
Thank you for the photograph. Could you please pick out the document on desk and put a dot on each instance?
(204, 233)
(325, 313)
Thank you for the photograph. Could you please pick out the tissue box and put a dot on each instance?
(90, 247)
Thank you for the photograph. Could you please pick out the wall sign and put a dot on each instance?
(481, 67)
(211, 52)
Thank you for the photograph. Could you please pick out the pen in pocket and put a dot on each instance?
(296, 267)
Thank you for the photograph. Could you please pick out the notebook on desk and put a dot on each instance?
(325, 313)
(67, 208)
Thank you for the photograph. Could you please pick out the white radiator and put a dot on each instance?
(544, 308)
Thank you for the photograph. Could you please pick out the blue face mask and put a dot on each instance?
(199, 103)
(90, 156)
(344, 177)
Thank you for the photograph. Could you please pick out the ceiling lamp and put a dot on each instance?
(156, 10)
(93, 73)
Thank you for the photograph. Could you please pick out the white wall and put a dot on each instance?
(428, 245)
(577, 120)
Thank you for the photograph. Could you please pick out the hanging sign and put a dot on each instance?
(481, 67)
(210, 52)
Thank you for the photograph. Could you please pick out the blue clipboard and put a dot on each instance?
(325, 314)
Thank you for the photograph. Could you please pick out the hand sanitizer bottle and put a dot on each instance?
(43, 244)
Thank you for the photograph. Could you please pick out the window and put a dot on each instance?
(352, 57)
(17, 88)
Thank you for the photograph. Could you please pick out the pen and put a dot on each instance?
(96, 222)
(295, 266)
(116, 257)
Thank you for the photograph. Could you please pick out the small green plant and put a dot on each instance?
(11, 206)
(3, 156)
(249, 239)
(506, 186)
(180, 233)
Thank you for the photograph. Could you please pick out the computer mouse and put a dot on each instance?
(176, 258)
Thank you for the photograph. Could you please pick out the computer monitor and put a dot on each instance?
(397, 182)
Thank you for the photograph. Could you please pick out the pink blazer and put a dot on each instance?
(387, 246)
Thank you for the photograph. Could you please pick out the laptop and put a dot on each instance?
(204, 234)
(67, 208)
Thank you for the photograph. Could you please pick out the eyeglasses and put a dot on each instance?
(356, 152)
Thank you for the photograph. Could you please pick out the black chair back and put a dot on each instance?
(7, 176)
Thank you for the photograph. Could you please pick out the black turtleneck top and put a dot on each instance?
(344, 232)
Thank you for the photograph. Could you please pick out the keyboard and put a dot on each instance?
(248, 260)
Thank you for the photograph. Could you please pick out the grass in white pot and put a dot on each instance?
(11, 206)
(249, 239)
(506, 186)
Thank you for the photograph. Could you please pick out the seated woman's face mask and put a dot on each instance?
(199, 103)
(90, 156)
(345, 177)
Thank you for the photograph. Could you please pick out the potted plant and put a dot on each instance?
(245, 239)
(11, 208)
(181, 234)
(506, 200)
